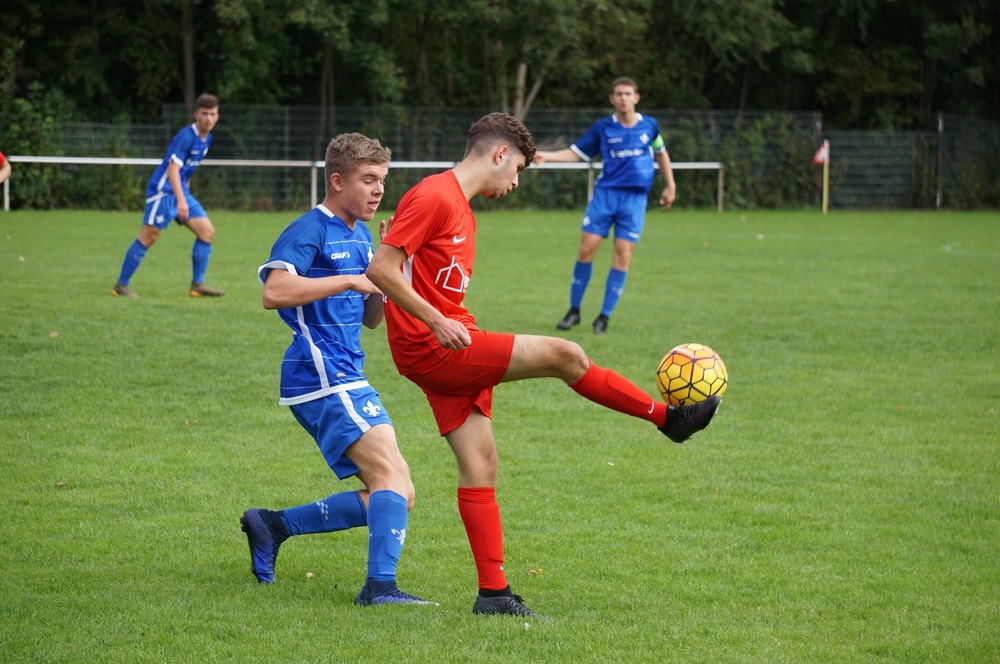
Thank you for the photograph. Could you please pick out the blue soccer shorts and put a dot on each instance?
(625, 209)
(338, 420)
(162, 209)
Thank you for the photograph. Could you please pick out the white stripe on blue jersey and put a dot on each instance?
(627, 152)
(187, 149)
(325, 355)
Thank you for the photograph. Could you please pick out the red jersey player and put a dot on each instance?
(4, 168)
(423, 266)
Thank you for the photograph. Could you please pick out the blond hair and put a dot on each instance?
(347, 152)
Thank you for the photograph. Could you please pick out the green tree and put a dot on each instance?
(608, 40)
(959, 58)
(863, 63)
(29, 123)
(530, 38)
(712, 53)
(895, 64)
(258, 57)
(116, 58)
(354, 42)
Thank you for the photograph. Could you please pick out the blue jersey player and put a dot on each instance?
(315, 278)
(629, 144)
(168, 198)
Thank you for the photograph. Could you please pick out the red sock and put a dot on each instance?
(612, 390)
(481, 516)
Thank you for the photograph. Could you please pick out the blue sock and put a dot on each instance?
(200, 253)
(338, 512)
(581, 277)
(133, 259)
(387, 516)
(613, 290)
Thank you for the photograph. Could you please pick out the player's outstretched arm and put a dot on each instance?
(284, 290)
(564, 155)
(385, 272)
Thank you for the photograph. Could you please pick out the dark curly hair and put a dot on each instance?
(500, 128)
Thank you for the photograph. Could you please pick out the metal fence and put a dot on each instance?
(767, 157)
(881, 169)
(967, 162)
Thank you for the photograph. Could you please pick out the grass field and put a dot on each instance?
(844, 506)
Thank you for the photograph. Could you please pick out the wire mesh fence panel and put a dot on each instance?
(257, 189)
(970, 170)
(93, 139)
(878, 169)
(767, 157)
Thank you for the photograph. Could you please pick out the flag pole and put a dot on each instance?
(826, 175)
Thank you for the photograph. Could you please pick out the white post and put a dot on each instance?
(826, 175)
(722, 178)
(312, 185)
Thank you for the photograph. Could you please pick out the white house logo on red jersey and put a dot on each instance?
(452, 278)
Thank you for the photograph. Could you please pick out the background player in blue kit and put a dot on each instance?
(168, 198)
(629, 142)
(316, 280)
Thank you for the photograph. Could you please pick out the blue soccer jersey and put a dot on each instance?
(187, 149)
(627, 152)
(325, 355)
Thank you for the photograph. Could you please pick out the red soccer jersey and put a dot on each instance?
(435, 226)
(3, 159)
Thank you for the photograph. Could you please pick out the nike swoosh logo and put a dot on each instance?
(651, 406)
(458, 240)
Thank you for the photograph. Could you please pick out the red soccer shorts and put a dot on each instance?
(455, 382)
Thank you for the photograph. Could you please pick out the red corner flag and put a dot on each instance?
(823, 154)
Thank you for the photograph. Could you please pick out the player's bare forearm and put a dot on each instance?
(174, 177)
(450, 333)
(564, 155)
(670, 190)
(374, 312)
(284, 290)
(384, 271)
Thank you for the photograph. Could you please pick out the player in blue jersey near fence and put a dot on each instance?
(168, 198)
(629, 143)
(315, 278)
